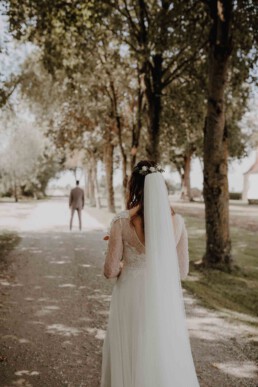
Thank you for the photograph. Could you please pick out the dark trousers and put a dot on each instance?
(79, 210)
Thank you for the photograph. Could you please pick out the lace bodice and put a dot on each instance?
(126, 250)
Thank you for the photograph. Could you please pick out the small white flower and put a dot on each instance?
(145, 168)
(152, 169)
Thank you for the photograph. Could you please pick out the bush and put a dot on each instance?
(252, 201)
(235, 195)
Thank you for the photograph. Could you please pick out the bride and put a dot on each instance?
(147, 343)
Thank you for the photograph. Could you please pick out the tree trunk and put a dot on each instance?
(186, 182)
(124, 159)
(153, 72)
(108, 159)
(91, 187)
(137, 127)
(133, 157)
(96, 184)
(218, 244)
(125, 180)
(119, 128)
(86, 177)
(16, 197)
(153, 82)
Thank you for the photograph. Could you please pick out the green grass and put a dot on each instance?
(8, 241)
(236, 291)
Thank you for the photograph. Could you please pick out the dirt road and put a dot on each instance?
(54, 305)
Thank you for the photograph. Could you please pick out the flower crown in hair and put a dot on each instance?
(145, 170)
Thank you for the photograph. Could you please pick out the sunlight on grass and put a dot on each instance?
(237, 291)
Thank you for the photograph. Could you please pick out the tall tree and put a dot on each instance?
(159, 36)
(182, 127)
(27, 161)
(183, 115)
(226, 27)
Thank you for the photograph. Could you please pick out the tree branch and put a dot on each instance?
(182, 65)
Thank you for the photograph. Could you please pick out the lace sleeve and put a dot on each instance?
(114, 251)
(182, 251)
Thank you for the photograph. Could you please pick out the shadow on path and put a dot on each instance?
(54, 306)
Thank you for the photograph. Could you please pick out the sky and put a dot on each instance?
(12, 53)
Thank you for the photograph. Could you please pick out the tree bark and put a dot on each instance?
(86, 176)
(216, 197)
(123, 156)
(91, 187)
(186, 182)
(153, 72)
(120, 139)
(96, 184)
(153, 82)
(16, 197)
(125, 179)
(108, 159)
(137, 127)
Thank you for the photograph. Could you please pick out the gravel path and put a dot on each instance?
(54, 305)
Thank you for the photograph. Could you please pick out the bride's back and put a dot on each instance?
(129, 228)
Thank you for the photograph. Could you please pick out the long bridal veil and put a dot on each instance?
(166, 352)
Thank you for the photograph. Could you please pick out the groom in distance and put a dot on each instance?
(76, 203)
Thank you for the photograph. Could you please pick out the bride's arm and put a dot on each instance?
(182, 252)
(112, 267)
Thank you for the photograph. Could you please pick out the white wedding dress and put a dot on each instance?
(147, 343)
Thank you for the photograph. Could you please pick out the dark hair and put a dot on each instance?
(77, 182)
(136, 189)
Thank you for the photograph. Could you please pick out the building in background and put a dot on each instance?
(250, 188)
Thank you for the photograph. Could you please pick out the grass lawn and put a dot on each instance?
(238, 291)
